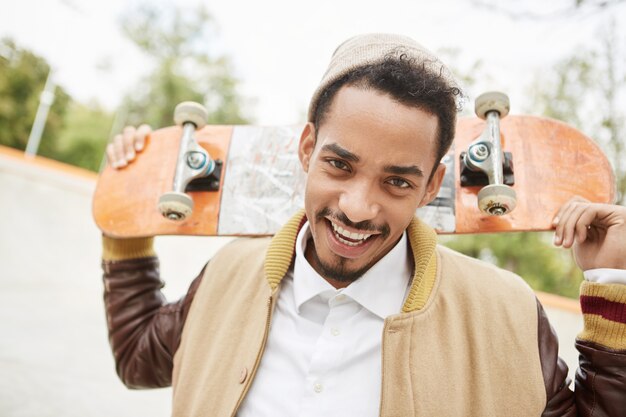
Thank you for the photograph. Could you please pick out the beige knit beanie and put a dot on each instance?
(370, 49)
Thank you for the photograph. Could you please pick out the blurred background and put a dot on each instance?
(95, 67)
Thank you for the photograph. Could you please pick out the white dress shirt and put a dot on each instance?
(606, 276)
(323, 353)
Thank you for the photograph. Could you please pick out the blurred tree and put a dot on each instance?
(612, 83)
(598, 75)
(557, 93)
(531, 255)
(83, 140)
(178, 41)
(539, 11)
(22, 78)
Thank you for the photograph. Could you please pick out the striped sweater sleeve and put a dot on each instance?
(604, 312)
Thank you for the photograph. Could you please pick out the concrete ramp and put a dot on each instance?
(54, 354)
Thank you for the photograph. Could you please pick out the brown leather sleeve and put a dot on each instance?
(144, 330)
(600, 387)
(600, 381)
(560, 399)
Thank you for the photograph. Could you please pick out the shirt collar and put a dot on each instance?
(381, 290)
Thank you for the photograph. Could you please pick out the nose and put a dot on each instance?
(358, 202)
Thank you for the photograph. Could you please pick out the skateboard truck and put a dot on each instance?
(485, 157)
(193, 162)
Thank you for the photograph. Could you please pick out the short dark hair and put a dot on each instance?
(409, 83)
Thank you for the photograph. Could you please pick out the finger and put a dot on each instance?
(587, 227)
(562, 218)
(140, 136)
(605, 216)
(118, 149)
(582, 228)
(596, 219)
(567, 206)
(129, 142)
(593, 234)
(570, 222)
(110, 151)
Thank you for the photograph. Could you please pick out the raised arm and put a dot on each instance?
(597, 234)
(144, 330)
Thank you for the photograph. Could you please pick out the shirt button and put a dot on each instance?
(243, 375)
(318, 388)
(340, 297)
(335, 332)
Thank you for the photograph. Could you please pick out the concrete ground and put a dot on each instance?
(54, 354)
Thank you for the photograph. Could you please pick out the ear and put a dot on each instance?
(307, 145)
(432, 189)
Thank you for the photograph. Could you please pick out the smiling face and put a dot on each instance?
(367, 172)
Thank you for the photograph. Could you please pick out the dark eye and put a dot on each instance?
(399, 183)
(339, 164)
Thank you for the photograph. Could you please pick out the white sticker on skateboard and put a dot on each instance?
(264, 184)
(440, 214)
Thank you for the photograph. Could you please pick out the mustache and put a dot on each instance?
(364, 226)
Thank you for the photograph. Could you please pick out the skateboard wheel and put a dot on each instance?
(191, 112)
(492, 101)
(175, 206)
(496, 199)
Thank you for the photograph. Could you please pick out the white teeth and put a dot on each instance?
(339, 231)
(345, 242)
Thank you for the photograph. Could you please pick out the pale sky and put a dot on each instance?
(280, 48)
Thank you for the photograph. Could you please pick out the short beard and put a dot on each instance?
(338, 271)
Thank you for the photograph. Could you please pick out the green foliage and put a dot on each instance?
(22, 78)
(178, 43)
(84, 138)
(584, 90)
(76, 133)
(587, 90)
(557, 95)
(530, 255)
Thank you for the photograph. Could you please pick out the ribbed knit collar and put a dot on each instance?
(422, 240)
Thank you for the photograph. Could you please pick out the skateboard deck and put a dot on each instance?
(262, 183)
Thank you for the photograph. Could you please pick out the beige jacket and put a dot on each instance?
(464, 344)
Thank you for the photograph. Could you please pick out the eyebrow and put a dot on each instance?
(390, 169)
(404, 170)
(344, 153)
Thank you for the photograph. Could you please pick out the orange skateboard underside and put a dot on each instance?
(263, 183)
(553, 163)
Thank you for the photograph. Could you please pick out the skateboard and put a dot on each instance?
(504, 173)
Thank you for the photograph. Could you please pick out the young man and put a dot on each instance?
(352, 309)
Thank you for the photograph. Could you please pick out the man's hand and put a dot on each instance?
(597, 233)
(125, 145)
